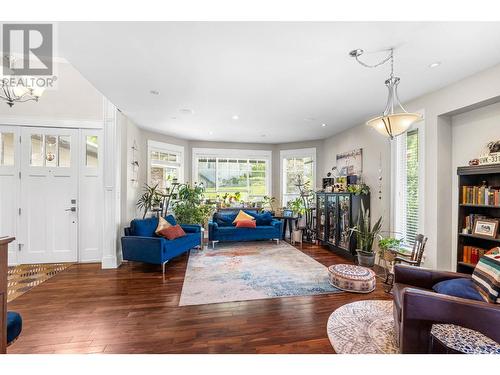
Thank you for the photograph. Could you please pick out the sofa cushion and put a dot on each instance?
(144, 227)
(486, 276)
(246, 224)
(264, 218)
(171, 219)
(162, 224)
(172, 232)
(242, 216)
(224, 220)
(463, 288)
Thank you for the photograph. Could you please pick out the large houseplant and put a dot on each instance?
(365, 237)
(151, 198)
(190, 207)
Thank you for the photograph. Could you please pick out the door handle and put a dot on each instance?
(72, 209)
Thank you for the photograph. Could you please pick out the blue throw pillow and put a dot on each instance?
(463, 288)
(224, 220)
(171, 219)
(261, 219)
(144, 227)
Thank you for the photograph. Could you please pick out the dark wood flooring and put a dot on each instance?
(134, 310)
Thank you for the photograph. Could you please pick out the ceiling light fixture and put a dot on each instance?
(323, 125)
(435, 64)
(395, 120)
(235, 117)
(19, 89)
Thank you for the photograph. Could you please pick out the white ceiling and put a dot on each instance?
(272, 75)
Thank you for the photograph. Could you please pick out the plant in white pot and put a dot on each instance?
(365, 237)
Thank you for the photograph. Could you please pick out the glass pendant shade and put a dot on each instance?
(395, 119)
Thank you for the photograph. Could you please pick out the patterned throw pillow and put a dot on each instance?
(486, 276)
(172, 232)
(162, 224)
(242, 216)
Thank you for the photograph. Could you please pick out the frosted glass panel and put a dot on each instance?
(91, 153)
(37, 156)
(51, 151)
(64, 151)
(6, 148)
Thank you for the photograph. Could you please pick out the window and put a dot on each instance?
(91, 151)
(231, 171)
(295, 163)
(6, 148)
(407, 182)
(165, 163)
(50, 150)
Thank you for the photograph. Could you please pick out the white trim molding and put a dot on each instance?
(51, 123)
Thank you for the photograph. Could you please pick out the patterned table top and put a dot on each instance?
(464, 340)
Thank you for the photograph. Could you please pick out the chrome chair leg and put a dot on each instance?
(163, 266)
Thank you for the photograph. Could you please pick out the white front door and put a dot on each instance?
(48, 230)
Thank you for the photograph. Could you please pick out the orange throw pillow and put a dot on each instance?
(172, 232)
(246, 224)
(242, 216)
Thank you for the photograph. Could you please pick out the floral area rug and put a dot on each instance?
(251, 270)
(363, 327)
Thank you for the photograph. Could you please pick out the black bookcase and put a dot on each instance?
(336, 213)
(474, 176)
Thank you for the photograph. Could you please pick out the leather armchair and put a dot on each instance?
(417, 307)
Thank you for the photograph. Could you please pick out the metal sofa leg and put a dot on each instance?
(163, 266)
(277, 241)
(213, 244)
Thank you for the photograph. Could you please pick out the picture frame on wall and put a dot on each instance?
(350, 163)
(486, 228)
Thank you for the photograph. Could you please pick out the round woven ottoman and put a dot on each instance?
(352, 278)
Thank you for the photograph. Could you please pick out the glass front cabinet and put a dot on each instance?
(337, 213)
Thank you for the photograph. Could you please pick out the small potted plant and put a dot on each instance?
(385, 245)
(365, 237)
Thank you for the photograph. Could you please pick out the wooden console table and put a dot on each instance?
(4, 250)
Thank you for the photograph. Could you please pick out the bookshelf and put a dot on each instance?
(476, 201)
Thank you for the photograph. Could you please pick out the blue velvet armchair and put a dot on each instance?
(141, 244)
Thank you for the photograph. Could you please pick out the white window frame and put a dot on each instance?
(167, 148)
(397, 204)
(222, 153)
(298, 153)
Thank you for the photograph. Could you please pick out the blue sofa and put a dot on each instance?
(221, 228)
(141, 244)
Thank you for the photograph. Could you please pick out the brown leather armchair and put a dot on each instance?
(417, 307)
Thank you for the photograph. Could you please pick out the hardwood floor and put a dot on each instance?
(134, 310)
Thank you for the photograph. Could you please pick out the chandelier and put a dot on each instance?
(395, 120)
(18, 89)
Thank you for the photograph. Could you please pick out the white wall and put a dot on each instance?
(471, 132)
(374, 147)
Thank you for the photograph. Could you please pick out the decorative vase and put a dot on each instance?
(366, 259)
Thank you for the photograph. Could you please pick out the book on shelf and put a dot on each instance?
(481, 195)
(470, 221)
(472, 254)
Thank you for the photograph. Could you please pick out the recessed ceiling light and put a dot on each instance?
(210, 132)
(154, 92)
(186, 111)
(235, 117)
(435, 64)
(323, 125)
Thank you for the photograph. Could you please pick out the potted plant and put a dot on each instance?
(365, 236)
(151, 198)
(190, 207)
(385, 244)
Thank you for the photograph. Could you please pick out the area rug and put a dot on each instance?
(363, 327)
(24, 277)
(250, 271)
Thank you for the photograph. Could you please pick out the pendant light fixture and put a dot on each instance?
(395, 120)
